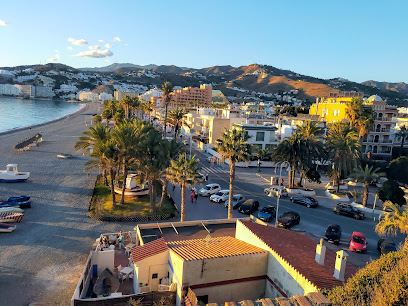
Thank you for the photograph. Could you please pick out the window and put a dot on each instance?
(270, 147)
(271, 136)
(260, 136)
(255, 148)
(154, 275)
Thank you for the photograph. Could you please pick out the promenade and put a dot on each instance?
(41, 261)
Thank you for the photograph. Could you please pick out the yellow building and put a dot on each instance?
(333, 108)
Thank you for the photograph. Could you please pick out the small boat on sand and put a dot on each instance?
(11, 209)
(23, 204)
(11, 174)
(7, 228)
(11, 217)
(18, 199)
(64, 155)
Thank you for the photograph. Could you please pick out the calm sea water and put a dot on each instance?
(17, 113)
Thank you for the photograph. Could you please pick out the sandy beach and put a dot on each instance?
(41, 261)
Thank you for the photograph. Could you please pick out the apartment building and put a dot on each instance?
(119, 94)
(261, 136)
(188, 96)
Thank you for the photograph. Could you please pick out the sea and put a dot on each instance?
(17, 113)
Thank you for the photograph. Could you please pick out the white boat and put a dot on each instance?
(7, 228)
(11, 217)
(11, 210)
(11, 174)
(64, 155)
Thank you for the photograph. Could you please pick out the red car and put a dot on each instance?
(358, 242)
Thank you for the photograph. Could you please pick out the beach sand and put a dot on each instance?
(42, 260)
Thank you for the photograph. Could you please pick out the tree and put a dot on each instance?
(183, 172)
(167, 89)
(402, 134)
(176, 116)
(233, 146)
(148, 107)
(394, 221)
(361, 117)
(356, 195)
(125, 137)
(367, 176)
(129, 103)
(342, 145)
(397, 170)
(391, 191)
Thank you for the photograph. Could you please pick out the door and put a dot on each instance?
(154, 281)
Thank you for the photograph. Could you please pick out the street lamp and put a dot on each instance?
(279, 192)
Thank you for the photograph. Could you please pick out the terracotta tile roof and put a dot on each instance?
(299, 251)
(196, 249)
(149, 249)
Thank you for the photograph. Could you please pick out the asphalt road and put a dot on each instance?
(314, 221)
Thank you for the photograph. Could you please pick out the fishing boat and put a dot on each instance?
(131, 189)
(22, 204)
(11, 209)
(11, 217)
(11, 174)
(7, 228)
(64, 155)
(18, 199)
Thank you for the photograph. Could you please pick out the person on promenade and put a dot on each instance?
(206, 177)
(196, 196)
(192, 197)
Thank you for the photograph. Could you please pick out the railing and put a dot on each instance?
(144, 289)
(164, 288)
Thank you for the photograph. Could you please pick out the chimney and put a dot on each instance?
(320, 253)
(340, 266)
(317, 105)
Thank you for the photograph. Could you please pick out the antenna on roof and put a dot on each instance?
(205, 228)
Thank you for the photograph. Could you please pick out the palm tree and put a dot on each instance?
(309, 130)
(233, 146)
(361, 117)
(148, 107)
(126, 103)
(183, 172)
(167, 89)
(172, 149)
(402, 134)
(393, 222)
(176, 116)
(125, 137)
(367, 176)
(342, 145)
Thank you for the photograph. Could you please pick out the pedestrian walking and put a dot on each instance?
(282, 181)
(174, 187)
(206, 177)
(196, 196)
(192, 197)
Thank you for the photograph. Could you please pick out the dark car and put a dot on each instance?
(333, 233)
(386, 246)
(348, 210)
(248, 207)
(306, 201)
(267, 213)
(288, 219)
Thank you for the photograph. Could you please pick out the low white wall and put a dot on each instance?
(104, 259)
(337, 198)
(301, 192)
(367, 210)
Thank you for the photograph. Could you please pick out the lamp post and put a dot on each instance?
(279, 192)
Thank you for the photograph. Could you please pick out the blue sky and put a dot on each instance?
(357, 40)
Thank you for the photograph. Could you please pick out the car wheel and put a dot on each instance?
(337, 242)
(337, 212)
(356, 217)
(291, 200)
(308, 205)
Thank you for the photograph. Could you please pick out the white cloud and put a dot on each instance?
(55, 58)
(116, 39)
(126, 45)
(78, 42)
(101, 40)
(95, 53)
(70, 48)
(108, 46)
(3, 23)
(96, 47)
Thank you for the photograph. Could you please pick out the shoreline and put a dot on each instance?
(83, 107)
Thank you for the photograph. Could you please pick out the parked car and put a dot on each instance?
(306, 201)
(220, 196)
(248, 207)
(274, 191)
(385, 246)
(288, 219)
(209, 190)
(358, 242)
(237, 200)
(201, 177)
(333, 233)
(267, 213)
(348, 210)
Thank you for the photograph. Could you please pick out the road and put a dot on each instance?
(314, 221)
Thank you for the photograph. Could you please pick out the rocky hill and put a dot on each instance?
(400, 87)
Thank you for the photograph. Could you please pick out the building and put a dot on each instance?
(26, 90)
(216, 261)
(44, 92)
(88, 96)
(119, 94)
(155, 92)
(9, 90)
(189, 96)
(380, 139)
(103, 96)
(219, 97)
(261, 136)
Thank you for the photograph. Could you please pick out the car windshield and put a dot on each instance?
(219, 193)
(333, 230)
(267, 209)
(207, 188)
(389, 247)
(237, 198)
(360, 240)
(245, 206)
(286, 217)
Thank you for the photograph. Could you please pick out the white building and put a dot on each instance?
(9, 90)
(68, 88)
(261, 137)
(105, 96)
(155, 92)
(26, 90)
(119, 94)
(44, 92)
(88, 96)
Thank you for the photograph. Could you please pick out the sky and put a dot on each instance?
(357, 40)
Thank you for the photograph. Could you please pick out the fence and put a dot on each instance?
(146, 299)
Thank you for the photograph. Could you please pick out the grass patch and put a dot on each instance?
(102, 204)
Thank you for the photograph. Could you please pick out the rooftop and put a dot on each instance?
(149, 249)
(299, 251)
(216, 247)
(255, 127)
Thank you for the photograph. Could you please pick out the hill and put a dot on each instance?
(400, 87)
(115, 66)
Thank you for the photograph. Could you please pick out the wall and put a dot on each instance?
(104, 259)
(176, 274)
(279, 271)
(146, 267)
(227, 269)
